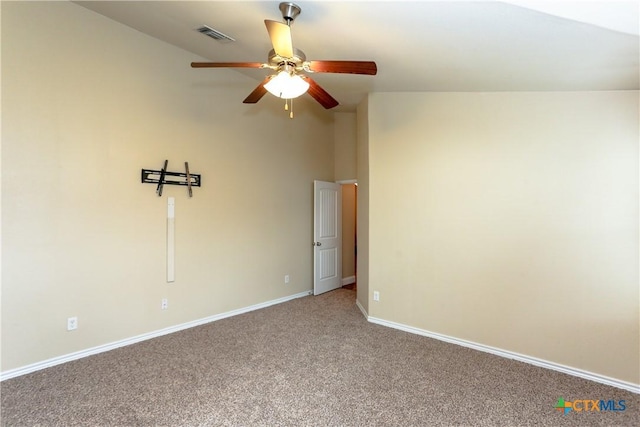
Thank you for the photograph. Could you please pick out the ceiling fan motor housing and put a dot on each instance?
(297, 60)
(289, 11)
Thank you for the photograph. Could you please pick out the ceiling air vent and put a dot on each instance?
(215, 34)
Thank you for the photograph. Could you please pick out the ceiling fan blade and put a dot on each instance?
(345, 67)
(319, 94)
(226, 65)
(258, 92)
(280, 35)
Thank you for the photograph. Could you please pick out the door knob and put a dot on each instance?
(319, 244)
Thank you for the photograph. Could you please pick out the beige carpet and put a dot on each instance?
(313, 361)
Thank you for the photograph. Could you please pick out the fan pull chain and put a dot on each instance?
(286, 107)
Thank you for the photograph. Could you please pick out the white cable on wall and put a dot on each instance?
(171, 215)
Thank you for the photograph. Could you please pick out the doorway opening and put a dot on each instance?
(349, 234)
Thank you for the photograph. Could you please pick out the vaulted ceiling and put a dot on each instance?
(418, 45)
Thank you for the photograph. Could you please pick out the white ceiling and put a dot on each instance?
(522, 45)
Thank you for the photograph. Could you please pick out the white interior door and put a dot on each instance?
(327, 236)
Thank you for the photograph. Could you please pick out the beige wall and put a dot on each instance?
(362, 215)
(345, 146)
(87, 103)
(509, 220)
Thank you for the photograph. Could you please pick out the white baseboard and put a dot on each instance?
(634, 388)
(348, 280)
(12, 373)
(366, 316)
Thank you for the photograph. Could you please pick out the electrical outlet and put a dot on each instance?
(72, 323)
(376, 296)
(286, 278)
(165, 304)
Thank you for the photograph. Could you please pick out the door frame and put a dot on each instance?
(339, 182)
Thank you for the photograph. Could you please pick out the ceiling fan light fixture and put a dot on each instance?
(286, 85)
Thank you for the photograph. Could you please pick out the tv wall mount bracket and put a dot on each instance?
(163, 176)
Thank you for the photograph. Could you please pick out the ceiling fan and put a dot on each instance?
(291, 65)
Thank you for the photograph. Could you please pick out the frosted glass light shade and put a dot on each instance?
(286, 86)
